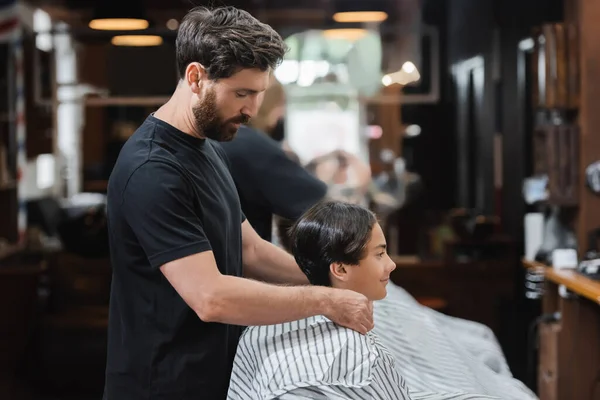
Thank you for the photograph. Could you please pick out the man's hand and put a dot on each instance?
(350, 309)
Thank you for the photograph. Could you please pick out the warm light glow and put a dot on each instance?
(360, 16)
(408, 67)
(44, 170)
(526, 44)
(172, 24)
(351, 34)
(118, 24)
(137, 40)
(407, 74)
(42, 25)
(413, 130)
(374, 132)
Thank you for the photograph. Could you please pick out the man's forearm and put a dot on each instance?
(269, 263)
(240, 301)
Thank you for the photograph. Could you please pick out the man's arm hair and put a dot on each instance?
(227, 299)
(164, 218)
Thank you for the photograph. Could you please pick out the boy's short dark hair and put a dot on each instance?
(330, 232)
(226, 40)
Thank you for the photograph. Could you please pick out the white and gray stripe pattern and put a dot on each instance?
(315, 359)
(413, 353)
(438, 353)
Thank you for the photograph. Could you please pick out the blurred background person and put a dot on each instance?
(348, 178)
(268, 179)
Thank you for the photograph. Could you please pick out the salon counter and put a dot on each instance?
(569, 351)
(575, 282)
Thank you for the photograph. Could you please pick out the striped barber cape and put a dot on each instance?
(316, 359)
(440, 353)
(312, 358)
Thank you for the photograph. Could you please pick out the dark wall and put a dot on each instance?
(470, 29)
(493, 29)
(514, 27)
(141, 71)
(432, 154)
(471, 34)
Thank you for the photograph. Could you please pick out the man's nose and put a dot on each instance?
(251, 107)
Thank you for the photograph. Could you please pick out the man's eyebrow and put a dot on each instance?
(248, 91)
(381, 246)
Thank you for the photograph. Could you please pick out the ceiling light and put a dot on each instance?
(408, 67)
(360, 16)
(361, 11)
(406, 75)
(118, 24)
(118, 15)
(412, 130)
(137, 40)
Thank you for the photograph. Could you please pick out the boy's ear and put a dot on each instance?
(339, 271)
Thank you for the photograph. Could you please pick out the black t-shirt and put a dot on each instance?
(268, 181)
(170, 195)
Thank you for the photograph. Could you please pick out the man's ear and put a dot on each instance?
(195, 75)
(339, 271)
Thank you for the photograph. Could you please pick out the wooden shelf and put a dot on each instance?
(574, 281)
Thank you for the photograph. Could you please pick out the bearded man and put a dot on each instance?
(181, 248)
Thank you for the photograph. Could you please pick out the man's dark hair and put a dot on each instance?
(330, 232)
(226, 40)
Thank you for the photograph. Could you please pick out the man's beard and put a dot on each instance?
(211, 125)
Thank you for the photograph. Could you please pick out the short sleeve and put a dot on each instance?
(158, 205)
